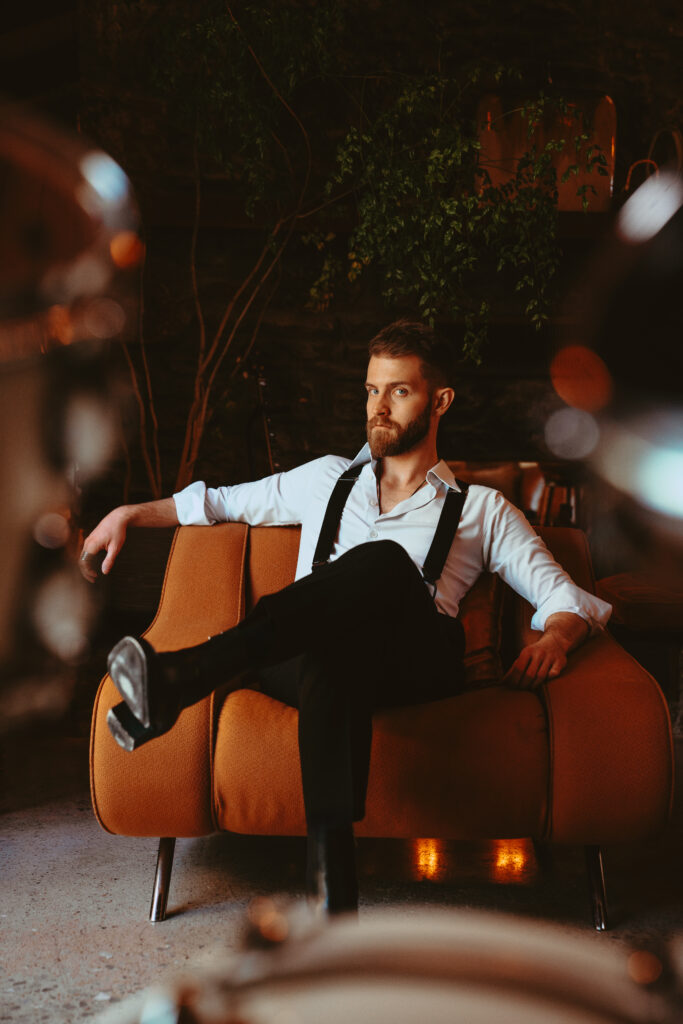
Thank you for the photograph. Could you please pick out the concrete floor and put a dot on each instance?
(75, 939)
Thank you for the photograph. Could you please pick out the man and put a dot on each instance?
(390, 543)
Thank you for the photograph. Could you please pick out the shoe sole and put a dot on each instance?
(128, 732)
(127, 665)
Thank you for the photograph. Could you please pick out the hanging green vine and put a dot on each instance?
(430, 219)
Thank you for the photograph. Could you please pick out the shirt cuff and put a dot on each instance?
(190, 504)
(593, 610)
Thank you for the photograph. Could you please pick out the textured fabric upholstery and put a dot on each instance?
(642, 602)
(422, 781)
(610, 748)
(588, 761)
(165, 787)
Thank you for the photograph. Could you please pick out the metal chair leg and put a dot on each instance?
(162, 880)
(596, 880)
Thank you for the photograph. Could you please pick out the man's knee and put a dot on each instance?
(384, 561)
(390, 554)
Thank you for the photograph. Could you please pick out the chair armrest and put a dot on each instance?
(165, 787)
(610, 748)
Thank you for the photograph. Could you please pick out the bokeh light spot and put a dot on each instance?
(104, 318)
(644, 968)
(645, 458)
(127, 249)
(581, 378)
(51, 530)
(571, 433)
(105, 176)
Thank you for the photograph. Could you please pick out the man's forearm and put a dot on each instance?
(151, 513)
(569, 629)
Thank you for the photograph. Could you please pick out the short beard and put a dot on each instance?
(398, 440)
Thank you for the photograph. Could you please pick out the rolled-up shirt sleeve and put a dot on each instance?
(515, 551)
(277, 500)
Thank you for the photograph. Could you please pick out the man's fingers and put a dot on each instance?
(108, 562)
(558, 665)
(518, 671)
(549, 668)
(532, 668)
(112, 551)
(86, 563)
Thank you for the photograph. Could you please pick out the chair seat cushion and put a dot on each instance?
(473, 766)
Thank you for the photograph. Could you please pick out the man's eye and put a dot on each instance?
(401, 391)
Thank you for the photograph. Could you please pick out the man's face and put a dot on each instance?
(399, 405)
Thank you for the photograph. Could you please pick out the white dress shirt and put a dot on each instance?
(492, 534)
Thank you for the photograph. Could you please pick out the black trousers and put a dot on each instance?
(358, 634)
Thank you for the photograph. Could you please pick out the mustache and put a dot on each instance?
(378, 422)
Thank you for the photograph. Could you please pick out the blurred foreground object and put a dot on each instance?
(467, 967)
(69, 255)
(621, 375)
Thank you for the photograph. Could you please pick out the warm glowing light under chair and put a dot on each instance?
(428, 858)
(510, 859)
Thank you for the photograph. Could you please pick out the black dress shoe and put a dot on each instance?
(150, 686)
(331, 878)
(128, 732)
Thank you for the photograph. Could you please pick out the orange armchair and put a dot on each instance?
(588, 759)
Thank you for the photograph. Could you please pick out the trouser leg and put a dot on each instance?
(334, 732)
(364, 633)
(393, 649)
(373, 596)
(373, 587)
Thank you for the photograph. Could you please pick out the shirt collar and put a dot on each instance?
(443, 473)
(440, 473)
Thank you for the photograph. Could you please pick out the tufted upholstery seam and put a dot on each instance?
(214, 710)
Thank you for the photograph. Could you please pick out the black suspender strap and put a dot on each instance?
(445, 533)
(333, 514)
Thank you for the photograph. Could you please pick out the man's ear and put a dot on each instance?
(443, 398)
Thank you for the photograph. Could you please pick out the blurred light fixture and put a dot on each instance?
(89, 435)
(650, 208)
(63, 613)
(644, 459)
(106, 177)
(70, 256)
(621, 362)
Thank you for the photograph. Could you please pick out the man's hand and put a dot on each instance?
(110, 533)
(547, 657)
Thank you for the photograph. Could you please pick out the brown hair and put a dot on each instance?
(414, 338)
